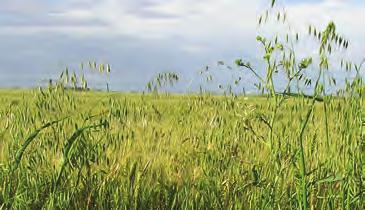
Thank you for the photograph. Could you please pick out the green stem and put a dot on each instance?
(325, 112)
(301, 145)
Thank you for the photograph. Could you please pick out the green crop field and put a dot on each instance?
(93, 150)
(296, 142)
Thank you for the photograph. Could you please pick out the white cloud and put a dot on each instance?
(348, 18)
(186, 18)
(154, 19)
(193, 19)
(184, 30)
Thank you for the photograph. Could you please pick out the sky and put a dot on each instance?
(139, 38)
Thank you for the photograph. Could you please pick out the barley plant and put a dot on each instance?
(292, 146)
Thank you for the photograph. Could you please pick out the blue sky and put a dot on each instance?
(142, 37)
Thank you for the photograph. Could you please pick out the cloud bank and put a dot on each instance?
(142, 37)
